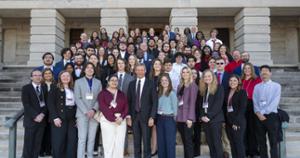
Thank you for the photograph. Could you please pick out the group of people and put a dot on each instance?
(153, 86)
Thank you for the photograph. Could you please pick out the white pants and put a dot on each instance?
(87, 129)
(113, 137)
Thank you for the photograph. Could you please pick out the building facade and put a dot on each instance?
(268, 30)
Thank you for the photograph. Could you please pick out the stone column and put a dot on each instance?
(252, 34)
(46, 34)
(113, 20)
(183, 17)
(1, 44)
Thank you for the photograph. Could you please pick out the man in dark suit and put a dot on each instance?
(147, 58)
(223, 79)
(48, 59)
(123, 50)
(142, 101)
(245, 56)
(33, 100)
(171, 34)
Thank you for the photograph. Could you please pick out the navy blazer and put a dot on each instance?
(172, 36)
(148, 63)
(238, 70)
(225, 80)
(60, 65)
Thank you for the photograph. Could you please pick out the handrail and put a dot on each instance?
(11, 123)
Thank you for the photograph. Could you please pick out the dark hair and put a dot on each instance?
(44, 71)
(161, 89)
(179, 54)
(111, 76)
(85, 66)
(47, 53)
(125, 62)
(266, 67)
(90, 46)
(167, 60)
(202, 35)
(240, 84)
(64, 51)
(191, 57)
(34, 71)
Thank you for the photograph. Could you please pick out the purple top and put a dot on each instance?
(104, 99)
(187, 110)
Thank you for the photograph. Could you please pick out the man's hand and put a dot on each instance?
(90, 114)
(189, 123)
(205, 119)
(260, 116)
(39, 118)
(151, 122)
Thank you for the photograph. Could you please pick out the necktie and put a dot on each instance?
(39, 93)
(137, 98)
(214, 42)
(219, 77)
(120, 82)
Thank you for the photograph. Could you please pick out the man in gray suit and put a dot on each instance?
(86, 92)
(124, 80)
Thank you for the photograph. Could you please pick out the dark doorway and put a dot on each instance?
(224, 36)
(75, 35)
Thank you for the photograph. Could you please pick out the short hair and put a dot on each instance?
(90, 46)
(191, 57)
(47, 53)
(64, 51)
(266, 67)
(35, 70)
(178, 54)
(219, 58)
(167, 60)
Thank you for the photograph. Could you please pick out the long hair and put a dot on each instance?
(212, 87)
(182, 82)
(253, 75)
(84, 68)
(43, 74)
(152, 71)
(160, 87)
(125, 63)
(60, 84)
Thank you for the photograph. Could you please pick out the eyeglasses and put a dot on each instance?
(220, 63)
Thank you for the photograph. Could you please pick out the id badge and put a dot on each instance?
(42, 104)
(205, 105)
(229, 108)
(180, 102)
(117, 115)
(263, 103)
(113, 104)
(89, 96)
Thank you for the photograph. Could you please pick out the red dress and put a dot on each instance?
(248, 86)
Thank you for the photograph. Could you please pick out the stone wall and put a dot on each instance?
(16, 40)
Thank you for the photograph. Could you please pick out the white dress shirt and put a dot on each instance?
(210, 42)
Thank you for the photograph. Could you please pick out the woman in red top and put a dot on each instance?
(249, 80)
(114, 107)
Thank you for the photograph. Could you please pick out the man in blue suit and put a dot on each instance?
(48, 59)
(223, 79)
(66, 57)
(171, 34)
(245, 57)
(147, 58)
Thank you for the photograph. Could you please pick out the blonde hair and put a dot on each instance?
(191, 80)
(60, 84)
(253, 75)
(212, 87)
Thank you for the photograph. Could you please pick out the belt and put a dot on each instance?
(70, 106)
(166, 115)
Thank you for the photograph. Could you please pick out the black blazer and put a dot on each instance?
(149, 100)
(215, 104)
(31, 105)
(56, 104)
(239, 105)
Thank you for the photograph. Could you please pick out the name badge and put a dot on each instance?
(263, 103)
(117, 115)
(205, 105)
(180, 102)
(229, 108)
(113, 104)
(42, 104)
(89, 96)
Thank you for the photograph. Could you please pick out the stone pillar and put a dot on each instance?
(252, 34)
(113, 20)
(183, 17)
(46, 34)
(1, 44)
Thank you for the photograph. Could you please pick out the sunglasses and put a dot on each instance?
(220, 63)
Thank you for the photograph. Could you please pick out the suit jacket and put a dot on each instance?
(125, 57)
(149, 100)
(31, 105)
(172, 35)
(80, 90)
(148, 62)
(238, 70)
(56, 104)
(126, 80)
(225, 80)
(239, 104)
(190, 41)
(215, 104)
(60, 65)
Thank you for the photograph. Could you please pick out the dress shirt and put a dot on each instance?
(177, 67)
(266, 97)
(70, 99)
(49, 67)
(122, 54)
(175, 79)
(210, 42)
(168, 104)
(78, 70)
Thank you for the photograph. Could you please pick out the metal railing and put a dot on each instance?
(11, 123)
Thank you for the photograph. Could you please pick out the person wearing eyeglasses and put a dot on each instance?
(222, 78)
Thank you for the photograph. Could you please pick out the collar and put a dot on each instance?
(51, 67)
(142, 79)
(35, 85)
(268, 82)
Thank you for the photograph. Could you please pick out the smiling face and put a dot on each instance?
(164, 82)
(93, 59)
(121, 65)
(233, 82)
(89, 70)
(48, 76)
(185, 74)
(65, 78)
(113, 82)
(208, 77)
(36, 77)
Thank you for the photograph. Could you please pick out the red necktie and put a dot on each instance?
(219, 78)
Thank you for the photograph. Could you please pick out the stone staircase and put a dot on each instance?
(13, 78)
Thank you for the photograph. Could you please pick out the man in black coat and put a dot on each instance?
(33, 100)
(142, 101)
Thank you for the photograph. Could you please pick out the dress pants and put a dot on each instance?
(225, 140)
(236, 138)
(113, 136)
(64, 138)
(166, 136)
(87, 129)
(251, 140)
(269, 126)
(141, 131)
(46, 141)
(197, 138)
(33, 140)
(187, 139)
(213, 134)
